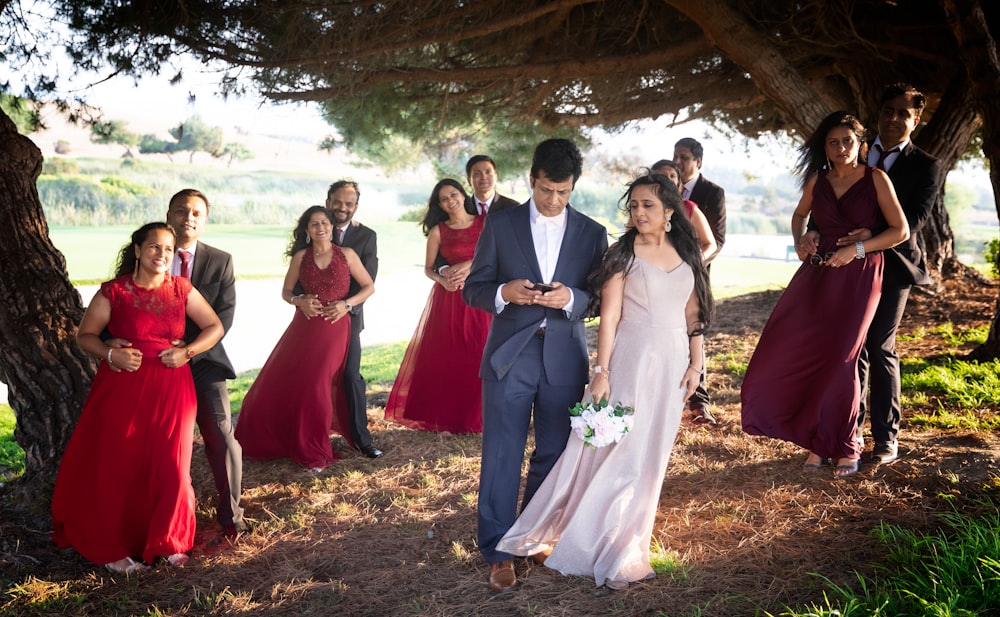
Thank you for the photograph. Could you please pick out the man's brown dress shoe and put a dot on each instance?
(502, 575)
(541, 556)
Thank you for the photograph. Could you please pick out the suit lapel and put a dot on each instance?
(521, 222)
(201, 260)
(574, 223)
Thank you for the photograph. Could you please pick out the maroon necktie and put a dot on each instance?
(482, 208)
(340, 235)
(185, 258)
(883, 155)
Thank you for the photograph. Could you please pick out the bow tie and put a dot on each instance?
(556, 220)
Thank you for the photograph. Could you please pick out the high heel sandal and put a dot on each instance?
(809, 467)
(126, 565)
(846, 470)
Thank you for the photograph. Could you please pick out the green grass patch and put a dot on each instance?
(11, 454)
(952, 571)
(959, 384)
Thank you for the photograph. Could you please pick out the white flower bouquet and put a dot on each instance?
(600, 424)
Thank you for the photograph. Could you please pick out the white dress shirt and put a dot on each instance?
(547, 235)
(890, 158)
(175, 265)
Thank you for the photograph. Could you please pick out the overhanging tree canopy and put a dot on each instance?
(424, 68)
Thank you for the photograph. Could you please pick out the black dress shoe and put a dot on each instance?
(371, 451)
(885, 452)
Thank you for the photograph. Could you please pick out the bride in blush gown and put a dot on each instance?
(593, 515)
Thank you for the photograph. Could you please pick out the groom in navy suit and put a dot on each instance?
(530, 272)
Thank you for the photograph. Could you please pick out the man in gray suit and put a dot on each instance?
(530, 273)
(211, 273)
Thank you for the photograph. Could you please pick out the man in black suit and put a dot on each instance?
(711, 200)
(481, 172)
(916, 177)
(342, 200)
(211, 273)
(530, 273)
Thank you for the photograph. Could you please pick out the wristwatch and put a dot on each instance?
(189, 352)
(347, 306)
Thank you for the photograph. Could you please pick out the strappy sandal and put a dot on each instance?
(808, 467)
(846, 471)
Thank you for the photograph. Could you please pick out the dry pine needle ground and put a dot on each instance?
(396, 536)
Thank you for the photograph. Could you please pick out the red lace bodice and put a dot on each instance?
(147, 318)
(329, 285)
(458, 245)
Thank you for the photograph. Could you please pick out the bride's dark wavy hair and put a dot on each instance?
(621, 255)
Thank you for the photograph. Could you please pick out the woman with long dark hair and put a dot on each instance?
(802, 382)
(295, 402)
(593, 515)
(450, 332)
(123, 494)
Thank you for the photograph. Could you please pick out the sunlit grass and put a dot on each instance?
(952, 571)
(959, 383)
(11, 454)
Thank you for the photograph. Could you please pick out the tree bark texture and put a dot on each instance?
(48, 376)
(978, 50)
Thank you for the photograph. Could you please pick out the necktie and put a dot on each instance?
(686, 193)
(340, 235)
(483, 208)
(883, 155)
(185, 258)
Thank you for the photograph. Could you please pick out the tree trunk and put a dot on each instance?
(947, 137)
(801, 106)
(47, 374)
(978, 50)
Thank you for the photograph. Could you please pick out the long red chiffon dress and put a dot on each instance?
(802, 382)
(296, 402)
(124, 484)
(449, 340)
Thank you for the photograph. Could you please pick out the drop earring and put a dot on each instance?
(668, 226)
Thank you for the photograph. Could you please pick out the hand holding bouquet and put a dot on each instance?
(600, 424)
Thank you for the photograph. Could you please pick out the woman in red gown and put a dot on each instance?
(802, 382)
(450, 334)
(123, 490)
(289, 410)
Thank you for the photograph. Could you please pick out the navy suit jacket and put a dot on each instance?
(916, 177)
(711, 200)
(363, 240)
(505, 252)
(213, 278)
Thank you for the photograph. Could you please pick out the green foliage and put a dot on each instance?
(401, 133)
(413, 215)
(58, 165)
(25, 118)
(380, 363)
(235, 152)
(961, 384)
(114, 132)
(949, 572)
(991, 252)
(84, 200)
(11, 454)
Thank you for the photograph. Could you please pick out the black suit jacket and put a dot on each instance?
(213, 278)
(916, 177)
(711, 200)
(363, 240)
(499, 203)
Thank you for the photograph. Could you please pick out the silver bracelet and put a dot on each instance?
(110, 349)
(859, 247)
